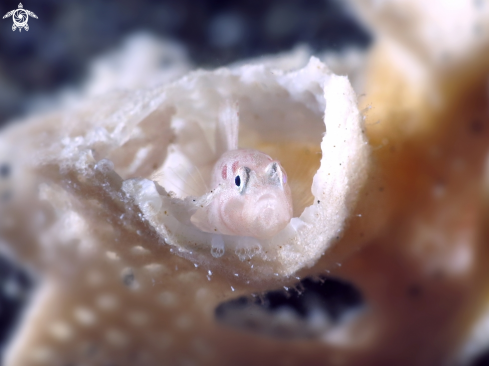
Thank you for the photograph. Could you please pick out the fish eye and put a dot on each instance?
(242, 178)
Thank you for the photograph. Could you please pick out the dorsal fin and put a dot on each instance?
(227, 127)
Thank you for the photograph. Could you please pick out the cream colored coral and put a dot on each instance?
(105, 223)
(412, 236)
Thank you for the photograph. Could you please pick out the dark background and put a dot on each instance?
(57, 48)
(59, 45)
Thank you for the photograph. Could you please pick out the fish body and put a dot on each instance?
(252, 197)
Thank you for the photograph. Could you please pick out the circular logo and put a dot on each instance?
(20, 18)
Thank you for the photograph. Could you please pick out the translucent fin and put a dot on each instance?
(227, 127)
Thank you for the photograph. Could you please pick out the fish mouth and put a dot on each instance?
(267, 197)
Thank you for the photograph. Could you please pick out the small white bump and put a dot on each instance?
(139, 250)
(85, 316)
(167, 299)
(61, 331)
(156, 268)
(107, 302)
(113, 256)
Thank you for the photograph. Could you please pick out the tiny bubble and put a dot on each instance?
(232, 288)
(237, 275)
(195, 264)
(210, 272)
